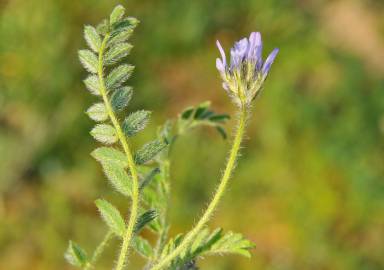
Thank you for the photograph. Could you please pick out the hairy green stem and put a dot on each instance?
(165, 189)
(127, 237)
(231, 163)
(99, 250)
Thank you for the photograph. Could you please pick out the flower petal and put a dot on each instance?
(221, 52)
(219, 65)
(254, 42)
(268, 62)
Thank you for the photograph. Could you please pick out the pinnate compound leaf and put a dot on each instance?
(144, 219)
(142, 247)
(110, 155)
(149, 151)
(118, 76)
(135, 122)
(104, 133)
(111, 216)
(120, 98)
(75, 255)
(98, 112)
(118, 177)
(92, 37)
(200, 115)
(93, 85)
(116, 53)
(89, 60)
(234, 243)
(117, 14)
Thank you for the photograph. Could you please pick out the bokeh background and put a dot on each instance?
(309, 187)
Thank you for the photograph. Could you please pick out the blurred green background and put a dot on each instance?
(310, 183)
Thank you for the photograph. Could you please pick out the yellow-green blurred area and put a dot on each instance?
(309, 186)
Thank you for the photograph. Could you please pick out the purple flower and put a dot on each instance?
(245, 73)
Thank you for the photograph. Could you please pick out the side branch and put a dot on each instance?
(231, 163)
(131, 164)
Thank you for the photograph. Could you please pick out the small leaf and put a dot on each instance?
(92, 84)
(117, 14)
(222, 132)
(118, 36)
(120, 98)
(118, 177)
(149, 151)
(98, 112)
(127, 23)
(116, 53)
(75, 255)
(201, 108)
(110, 155)
(102, 28)
(111, 216)
(104, 133)
(165, 132)
(118, 76)
(144, 219)
(198, 240)
(92, 37)
(232, 243)
(149, 177)
(219, 117)
(89, 60)
(208, 242)
(142, 247)
(135, 122)
(187, 113)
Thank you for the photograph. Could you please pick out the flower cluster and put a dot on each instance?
(244, 76)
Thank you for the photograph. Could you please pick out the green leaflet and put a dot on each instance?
(104, 133)
(75, 255)
(148, 178)
(92, 38)
(110, 155)
(103, 27)
(93, 85)
(116, 53)
(118, 177)
(135, 122)
(98, 112)
(144, 219)
(142, 247)
(149, 151)
(111, 216)
(232, 243)
(171, 245)
(206, 241)
(120, 98)
(118, 76)
(117, 14)
(199, 241)
(119, 36)
(89, 60)
(126, 23)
